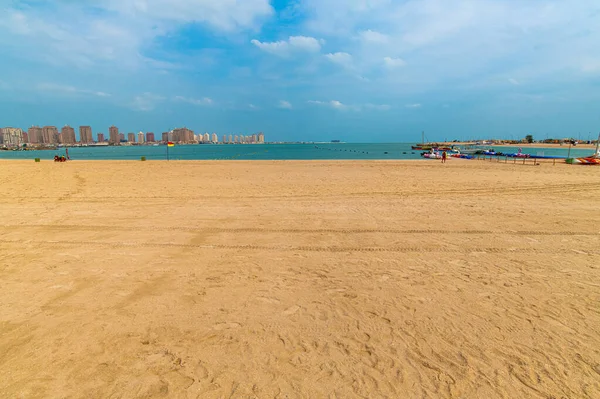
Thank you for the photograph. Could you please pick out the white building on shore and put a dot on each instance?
(10, 136)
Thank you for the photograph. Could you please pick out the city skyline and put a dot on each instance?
(305, 69)
(50, 135)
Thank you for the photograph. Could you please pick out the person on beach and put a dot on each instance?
(444, 155)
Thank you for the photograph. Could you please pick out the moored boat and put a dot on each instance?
(591, 160)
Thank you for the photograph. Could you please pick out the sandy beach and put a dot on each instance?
(247, 279)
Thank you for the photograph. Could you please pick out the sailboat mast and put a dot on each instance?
(598, 146)
(423, 137)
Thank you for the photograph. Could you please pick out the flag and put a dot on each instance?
(170, 144)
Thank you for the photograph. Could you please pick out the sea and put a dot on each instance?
(313, 151)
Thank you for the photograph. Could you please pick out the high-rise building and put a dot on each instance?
(150, 137)
(100, 137)
(183, 135)
(35, 135)
(230, 139)
(214, 138)
(140, 137)
(261, 138)
(236, 139)
(25, 137)
(85, 134)
(131, 137)
(113, 135)
(49, 135)
(11, 136)
(67, 135)
(206, 138)
(224, 140)
(165, 136)
(254, 139)
(121, 137)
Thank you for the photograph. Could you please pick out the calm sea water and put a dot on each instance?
(259, 152)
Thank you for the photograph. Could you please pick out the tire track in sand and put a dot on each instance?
(411, 249)
(73, 227)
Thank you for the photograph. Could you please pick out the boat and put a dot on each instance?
(462, 156)
(432, 154)
(469, 151)
(518, 154)
(422, 146)
(591, 160)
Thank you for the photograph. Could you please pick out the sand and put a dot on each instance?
(290, 279)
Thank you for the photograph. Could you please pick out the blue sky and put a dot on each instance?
(356, 70)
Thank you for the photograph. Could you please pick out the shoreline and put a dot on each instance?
(525, 145)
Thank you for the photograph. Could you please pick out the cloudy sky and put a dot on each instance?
(356, 70)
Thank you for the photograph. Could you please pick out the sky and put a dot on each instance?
(353, 70)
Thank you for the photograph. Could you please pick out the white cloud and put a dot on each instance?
(416, 105)
(306, 43)
(294, 43)
(340, 58)
(392, 63)
(284, 104)
(146, 102)
(540, 40)
(370, 36)
(338, 105)
(590, 65)
(114, 32)
(340, 17)
(225, 15)
(379, 107)
(53, 87)
(335, 104)
(514, 81)
(195, 101)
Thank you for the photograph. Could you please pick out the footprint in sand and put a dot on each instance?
(268, 299)
(226, 326)
(291, 311)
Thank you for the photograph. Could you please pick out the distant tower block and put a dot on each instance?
(113, 135)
